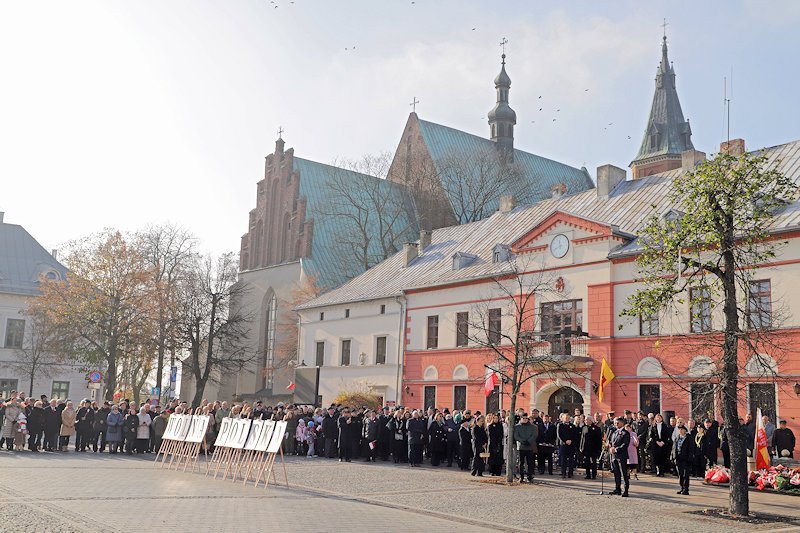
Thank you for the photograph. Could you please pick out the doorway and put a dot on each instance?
(564, 400)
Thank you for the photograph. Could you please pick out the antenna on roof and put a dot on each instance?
(726, 105)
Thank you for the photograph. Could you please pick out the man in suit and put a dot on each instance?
(567, 436)
(712, 441)
(547, 445)
(384, 434)
(642, 428)
(683, 453)
(52, 426)
(526, 435)
(618, 447)
(660, 445)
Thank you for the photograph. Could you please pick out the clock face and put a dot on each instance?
(559, 246)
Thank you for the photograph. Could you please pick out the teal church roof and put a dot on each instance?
(329, 263)
(539, 174)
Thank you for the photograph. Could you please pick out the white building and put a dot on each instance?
(22, 261)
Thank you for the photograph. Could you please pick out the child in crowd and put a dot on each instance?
(300, 437)
(311, 432)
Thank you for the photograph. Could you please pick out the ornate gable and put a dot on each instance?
(583, 231)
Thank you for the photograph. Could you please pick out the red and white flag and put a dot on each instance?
(760, 448)
(491, 381)
(290, 386)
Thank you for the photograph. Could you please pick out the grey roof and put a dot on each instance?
(628, 207)
(669, 132)
(539, 173)
(23, 260)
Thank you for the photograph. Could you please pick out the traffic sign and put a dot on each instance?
(95, 376)
(155, 391)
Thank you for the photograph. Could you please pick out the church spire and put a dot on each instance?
(667, 133)
(502, 118)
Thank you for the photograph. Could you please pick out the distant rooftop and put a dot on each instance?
(23, 260)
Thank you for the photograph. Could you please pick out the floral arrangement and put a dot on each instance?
(776, 477)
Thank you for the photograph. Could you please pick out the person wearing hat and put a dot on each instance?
(618, 447)
(464, 444)
(683, 454)
(330, 432)
(784, 441)
(384, 434)
(526, 434)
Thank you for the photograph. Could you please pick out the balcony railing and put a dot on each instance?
(544, 344)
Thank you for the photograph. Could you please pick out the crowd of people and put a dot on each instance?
(628, 444)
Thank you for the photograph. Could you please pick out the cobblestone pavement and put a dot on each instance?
(65, 492)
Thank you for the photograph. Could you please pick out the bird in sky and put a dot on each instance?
(610, 123)
(557, 110)
(473, 29)
(540, 109)
(585, 90)
(540, 97)
(554, 120)
(629, 136)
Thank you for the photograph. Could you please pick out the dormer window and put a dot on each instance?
(500, 253)
(463, 260)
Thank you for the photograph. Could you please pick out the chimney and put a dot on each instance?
(558, 190)
(409, 252)
(691, 158)
(54, 253)
(732, 147)
(507, 204)
(608, 177)
(424, 240)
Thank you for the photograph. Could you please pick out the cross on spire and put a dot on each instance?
(413, 105)
(280, 132)
(664, 26)
(503, 43)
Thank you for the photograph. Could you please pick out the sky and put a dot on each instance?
(122, 114)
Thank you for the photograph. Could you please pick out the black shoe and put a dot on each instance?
(615, 492)
(624, 494)
(680, 491)
(530, 480)
(686, 493)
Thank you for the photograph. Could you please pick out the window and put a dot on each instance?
(460, 397)
(383, 309)
(759, 305)
(60, 390)
(648, 325)
(380, 351)
(6, 386)
(322, 316)
(15, 331)
(320, 353)
(702, 398)
(495, 322)
(650, 398)
(346, 353)
(430, 396)
(433, 331)
(462, 329)
(762, 396)
(700, 301)
(268, 359)
(496, 256)
(347, 313)
(558, 316)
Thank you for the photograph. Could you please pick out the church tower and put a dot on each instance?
(667, 134)
(502, 118)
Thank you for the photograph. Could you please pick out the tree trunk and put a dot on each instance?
(30, 392)
(200, 387)
(160, 365)
(111, 374)
(510, 441)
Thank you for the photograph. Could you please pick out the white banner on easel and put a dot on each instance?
(277, 437)
(224, 432)
(238, 433)
(197, 429)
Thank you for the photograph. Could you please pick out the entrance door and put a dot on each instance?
(564, 400)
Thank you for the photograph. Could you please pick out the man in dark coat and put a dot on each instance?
(384, 434)
(451, 432)
(567, 442)
(35, 416)
(526, 434)
(346, 436)
(330, 432)
(100, 427)
(642, 428)
(84, 426)
(52, 426)
(618, 447)
(417, 428)
(547, 445)
(591, 445)
(683, 453)
(783, 439)
(712, 441)
(371, 427)
(464, 445)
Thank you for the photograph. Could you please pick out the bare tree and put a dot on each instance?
(37, 356)
(474, 182)
(169, 250)
(370, 217)
(707, 256)
(213, 333)
(504, 325)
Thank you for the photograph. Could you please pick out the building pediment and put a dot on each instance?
(582, 230)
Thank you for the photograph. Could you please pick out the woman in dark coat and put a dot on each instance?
(397, 429)
(701, 450)
(464, 445)
(479, 441)
(495, 445)
(129, 428)
(437, 440)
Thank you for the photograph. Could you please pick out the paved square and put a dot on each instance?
(88, 492)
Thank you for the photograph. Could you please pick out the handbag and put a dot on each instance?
(484, 454)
